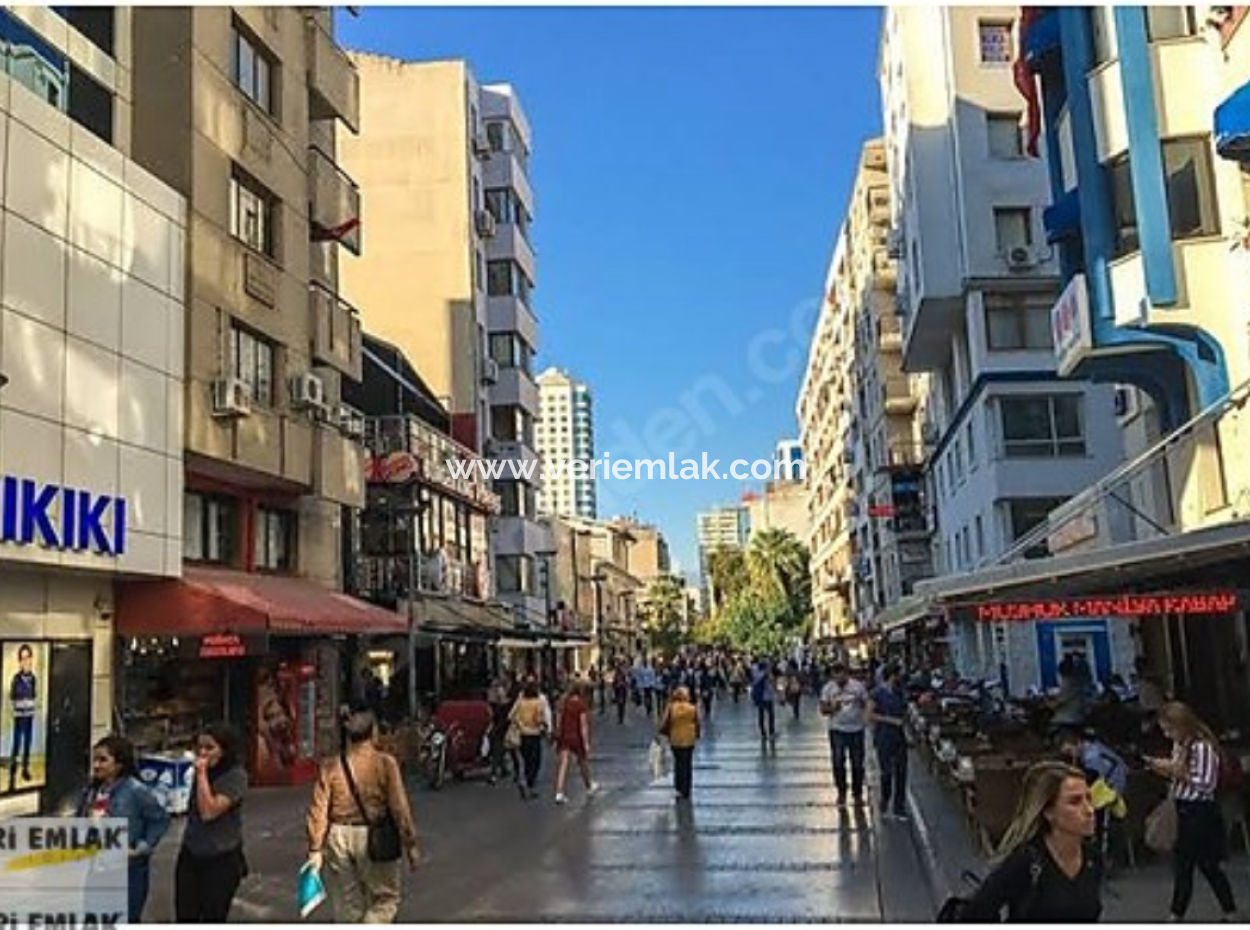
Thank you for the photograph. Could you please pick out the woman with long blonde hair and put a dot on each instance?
(1045, 874)
(1201, 840)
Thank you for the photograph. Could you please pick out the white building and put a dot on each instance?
(565, 433)
(91, 345)
(1007, 440)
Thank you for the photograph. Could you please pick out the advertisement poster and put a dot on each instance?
(23, 715)
(277, 713)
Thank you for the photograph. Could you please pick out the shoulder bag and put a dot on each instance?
(384, 843)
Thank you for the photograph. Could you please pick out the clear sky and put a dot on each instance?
(691, 167)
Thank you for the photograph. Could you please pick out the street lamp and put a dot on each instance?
(597, 579)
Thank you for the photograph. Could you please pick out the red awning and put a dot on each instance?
(215, 601)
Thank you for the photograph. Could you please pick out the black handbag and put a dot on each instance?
(384, 843)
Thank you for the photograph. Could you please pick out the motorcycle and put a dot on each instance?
(454, 744)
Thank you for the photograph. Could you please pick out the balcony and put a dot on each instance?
(884, 271)
(899, 398)
(335, 326)
(903, 455)
(387, 578)
(511, 244)
(405, 449)
(890, 334)
(334, 202)
(333, 84)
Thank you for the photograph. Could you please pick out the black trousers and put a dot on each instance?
(531, 758)
(769, 711)
(205, 886)
(1200, 844)
(892, 758)
(848, 746)
(683, 770)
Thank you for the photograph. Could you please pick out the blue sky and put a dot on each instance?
(691, 167)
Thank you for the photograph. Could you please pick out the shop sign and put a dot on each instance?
(228, 646)
(1070, 326)
(1192, 603)
(59, 517)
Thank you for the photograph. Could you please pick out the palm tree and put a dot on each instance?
(664, 607)
(728, 576)
(777, 562)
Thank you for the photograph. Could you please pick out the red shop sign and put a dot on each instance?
(1187, 603)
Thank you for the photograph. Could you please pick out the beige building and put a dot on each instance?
(443, 161)
(648, 552)
(566, 434)
(782, 505)
(616, 631)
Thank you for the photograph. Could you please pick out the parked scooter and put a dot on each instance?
(455, 746)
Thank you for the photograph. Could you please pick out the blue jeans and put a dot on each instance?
(892, 757)
(140, 875)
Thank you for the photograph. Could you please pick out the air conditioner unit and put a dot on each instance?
(1020, 257)
(490, 371)
(308, 392)
(232, 397)
(485, 222)
(351, 421)
(481, 145)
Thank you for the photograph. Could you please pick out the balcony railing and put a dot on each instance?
(334, 202)
(390, 577)
(333, 84)
(336, 331)
(899, 398)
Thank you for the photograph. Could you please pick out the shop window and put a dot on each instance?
(274, 540)
(252, 361)
(1042, 427)
(208, 528)
(252, 68)
(252, 212)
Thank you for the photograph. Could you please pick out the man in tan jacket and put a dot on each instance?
(360, 890)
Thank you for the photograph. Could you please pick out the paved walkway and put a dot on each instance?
(760, 842)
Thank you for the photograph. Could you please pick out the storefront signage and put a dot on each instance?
(58, 517)
(1194, 603)
(228, 646)
(1071, 326)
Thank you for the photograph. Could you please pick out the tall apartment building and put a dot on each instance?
(91, 372)
(720, 528)
(237, 109)
(566, 433)
(442, 160)
(1008, 440)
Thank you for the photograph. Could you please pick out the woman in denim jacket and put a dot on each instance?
(116, 792)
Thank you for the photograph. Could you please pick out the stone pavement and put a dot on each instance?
(1141, 895)
(761, 841)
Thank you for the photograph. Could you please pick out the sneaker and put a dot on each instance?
(562, 798)
(593, 789)
(900, 816)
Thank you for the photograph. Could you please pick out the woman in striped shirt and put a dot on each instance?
(1201, 840)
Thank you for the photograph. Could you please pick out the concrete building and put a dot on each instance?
(1008, 439)
(91, 371)
(649, 555)
(720, 528)
(443, 159)
(238, 110)
(616, 632)
(565, 434)
(781, 505)
(789, 452)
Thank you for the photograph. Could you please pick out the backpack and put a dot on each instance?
(757, 689)
(954, 908)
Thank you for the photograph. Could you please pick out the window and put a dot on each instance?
(1190, 182)
(1102, 27)
(499, 204)
(496, 136)
(273, 539)
(252, 70)
(1003, 130)
(90, 104)
(1025, 514)
(972, 448)
(1170, 22)
(996, 42)
(1042, 427)
(499, 278)
(251, 213)
(208, 527)
(511, 351)
(516, 499)
(1014, 321)
(251, 360)
(980, 531)
(1013, 227)
(515, 574)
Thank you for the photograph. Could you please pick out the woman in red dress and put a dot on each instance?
(572, 738)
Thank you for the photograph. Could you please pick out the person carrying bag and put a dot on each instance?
(360, 826)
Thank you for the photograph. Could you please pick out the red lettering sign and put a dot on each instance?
(1190, 603)
(222, 646)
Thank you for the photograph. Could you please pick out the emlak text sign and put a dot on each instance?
(1189, 603)
(64, 872)
(58, 517)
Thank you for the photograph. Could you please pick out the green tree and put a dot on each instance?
(764, 600)
(727, 573)
(664, 611)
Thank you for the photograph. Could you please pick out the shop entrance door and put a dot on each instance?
(69, 725)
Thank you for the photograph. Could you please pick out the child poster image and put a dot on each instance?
(23, 715)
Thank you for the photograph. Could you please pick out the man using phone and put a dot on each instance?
(843, 702)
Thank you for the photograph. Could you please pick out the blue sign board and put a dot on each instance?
(57, 517)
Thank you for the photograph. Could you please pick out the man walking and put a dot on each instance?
(843, 702)
(763, 695)
(887, 711)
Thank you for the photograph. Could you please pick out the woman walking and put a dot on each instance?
(500, 702)
(116, 792)
(1201, 840)
(1046, 875)
(529, 716)
(681, 725)
(573, 740)
(211, 863)
(363, 786)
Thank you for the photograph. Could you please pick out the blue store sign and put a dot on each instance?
(57, 517)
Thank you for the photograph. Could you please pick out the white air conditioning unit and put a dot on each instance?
(490, 371)
(232, 397)
(485, 223)
(351, 421)
(308, 392)
(1020, 257)
(481, 145)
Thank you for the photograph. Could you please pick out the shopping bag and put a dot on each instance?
(1161, 827)
(312, 890)
(656, 759)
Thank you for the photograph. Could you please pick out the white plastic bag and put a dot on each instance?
(657, 758)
